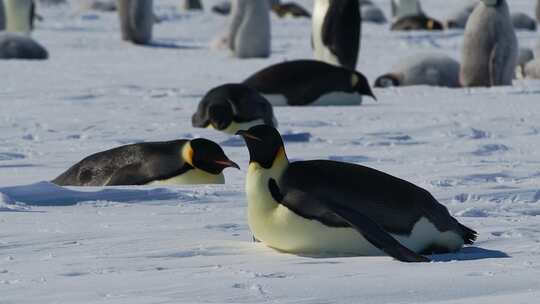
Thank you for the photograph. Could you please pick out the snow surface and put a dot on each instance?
(476, 150)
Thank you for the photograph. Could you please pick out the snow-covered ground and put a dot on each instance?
(476, 150)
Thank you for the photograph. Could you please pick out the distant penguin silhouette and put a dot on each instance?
(289, 9)
(372, 13)
(19, 46)
(310, 82)
(532, 69)
(336, 30)
(406, 8)
(524, 56)
(98, 5)
(417, 23)
(2, 17)
(522, 21)
(136, 20)
(249, 34)
(192, 5)
(233, 107)
(423, 69)
(490, 46)
(458, 20)
(538, 11)
(222, 8)
(19, 16)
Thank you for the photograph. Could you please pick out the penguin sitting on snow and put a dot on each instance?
(233, 107)
(179, 162)
(490, 46)
(310, 82)
(423, 69)
(522, 21)
(18, 46)
(325, 207)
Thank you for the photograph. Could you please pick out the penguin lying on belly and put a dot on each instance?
(179, 162)
(310, 82)
(422, 69)
(417, 23)
(324, 207)
(233, 107)
(18, 46)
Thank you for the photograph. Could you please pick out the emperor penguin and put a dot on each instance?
(458, 20)
(233, 107)
(192, 5)
(336, 30)
(249, 33)
(19, 46)
(490, 46)
(417, 23)
(406, 8)
(136, 20)
(179, 162)
(19, 16)
(2, 17)
(423, 69)
(522, 21)
(372, 13)
(288, 9)
(322, 207)
(532, 69)
(524, 56)
(310, 82)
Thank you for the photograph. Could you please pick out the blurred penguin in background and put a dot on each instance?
(371, 13)
(249, 33)
(192, 5)
(538, 11)
(524, 56)
(532, 69)
(490, 46)
(522, 21)
(97, 5)
(2, 20)
(336, 27)
(406, 8)
(458, 20)
(288, 9)
(136, 20)
(19, 16)
(431, 69)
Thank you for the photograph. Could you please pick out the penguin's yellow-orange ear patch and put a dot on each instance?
(187, 154)
(430, 24)
(354, 80)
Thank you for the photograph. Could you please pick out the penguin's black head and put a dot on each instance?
(208, 156)
(264, 144)
(215, 109)
(361, 85)
(386, 81)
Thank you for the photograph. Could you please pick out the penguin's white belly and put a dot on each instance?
(18, 15)
(322, 52)
(192, 177)
(329, 99)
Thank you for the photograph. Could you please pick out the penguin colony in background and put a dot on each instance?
(309, 207)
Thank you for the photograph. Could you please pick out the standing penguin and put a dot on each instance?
(136, 20)
(19, 16)
(490, 46)
(249, 33)
(336, 27)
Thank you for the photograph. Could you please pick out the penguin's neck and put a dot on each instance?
(258, 193)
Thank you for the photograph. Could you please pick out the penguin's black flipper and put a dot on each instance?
(343, 21)
(129, 175)
(376, 235)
